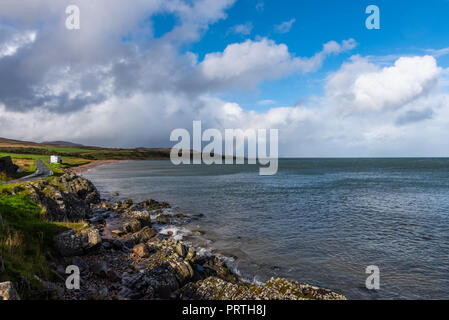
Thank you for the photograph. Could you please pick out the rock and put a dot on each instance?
(163, 219)
(97, 219)
(152, 205)
(291, 289)
(136, 286)
(67, 198)
(80, 263)
(214, 288)
(181, 249)
(127, 204)
(8, 292)
(49, 290)
(2, 266)
(165, 205)
(118, 232)
(16, 190)
(115, 194)
(183, 270)
(106, 205)
(113, 276)
(113, 243)
(100, 269)
(144, 235)
(191, 254)
(117, 205)
(141, 250)
(7, 166)
(93, 236)
(142, 216)
(132, 226)
(162, 281)
(107, 245)
(101, 293)
(214, 267)
(71, 243)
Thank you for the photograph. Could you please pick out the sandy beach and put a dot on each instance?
(90, 165)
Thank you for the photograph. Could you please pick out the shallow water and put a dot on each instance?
(320, 221)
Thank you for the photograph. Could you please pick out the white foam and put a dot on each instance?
(176, 232)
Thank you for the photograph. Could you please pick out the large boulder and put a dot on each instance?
(142, 216)
(7, 166)
(71, 243)
(143, 235)
(67, 198)
(214, 288)
(8, 292)
(81, 187)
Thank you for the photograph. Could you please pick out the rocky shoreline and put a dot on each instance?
(121, 255)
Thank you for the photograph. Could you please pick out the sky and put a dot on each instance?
(136, 70)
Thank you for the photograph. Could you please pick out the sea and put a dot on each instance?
(318, 221)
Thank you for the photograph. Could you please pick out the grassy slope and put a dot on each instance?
(26, 237)
(89, 153)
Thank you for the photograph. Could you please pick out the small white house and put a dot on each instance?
(55, 159)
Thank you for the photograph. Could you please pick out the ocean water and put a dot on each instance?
(320, 221)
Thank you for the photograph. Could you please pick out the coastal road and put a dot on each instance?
(42, 171)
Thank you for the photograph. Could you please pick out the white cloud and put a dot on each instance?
(243, 29)
(266, 102)
(247, 63)
(285, 27)
(14, 40)
(438, 52)
(330, 48)
(362, 86)
(93, 89)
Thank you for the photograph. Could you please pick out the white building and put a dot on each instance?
(55, 159)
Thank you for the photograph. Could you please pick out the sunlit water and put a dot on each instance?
(317, 221)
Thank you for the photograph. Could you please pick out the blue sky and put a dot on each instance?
(134, 72)
(407, 28)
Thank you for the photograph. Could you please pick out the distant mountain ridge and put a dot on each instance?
(62, 143)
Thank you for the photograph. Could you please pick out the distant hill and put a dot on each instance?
(70, 149)
(62, 143)
(11, 142)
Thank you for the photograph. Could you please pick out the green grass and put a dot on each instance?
(26, 237)
(89, 153)
(57, 169)
(69, 149)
